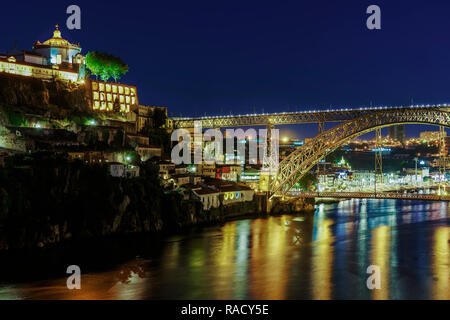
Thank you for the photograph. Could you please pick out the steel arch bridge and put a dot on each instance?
(304, 158)
(283, 118)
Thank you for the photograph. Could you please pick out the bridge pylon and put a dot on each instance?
(378, 157)
(321, 128)
(442, 161)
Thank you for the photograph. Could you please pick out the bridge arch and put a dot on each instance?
(304, 158)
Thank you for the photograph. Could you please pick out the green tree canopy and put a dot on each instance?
(105, 65)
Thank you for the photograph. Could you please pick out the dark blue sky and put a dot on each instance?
(216, 57)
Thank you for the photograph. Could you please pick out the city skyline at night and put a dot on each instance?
(222, 155)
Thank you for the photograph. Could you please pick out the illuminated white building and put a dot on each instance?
(55, 58)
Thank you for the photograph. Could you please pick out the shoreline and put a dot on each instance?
(97, 253)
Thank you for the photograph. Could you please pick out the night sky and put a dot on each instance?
(222, 57)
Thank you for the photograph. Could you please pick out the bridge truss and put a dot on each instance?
(317, 116)
(303, 159)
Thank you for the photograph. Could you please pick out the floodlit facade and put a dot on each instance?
(55, 58)
(111, 96)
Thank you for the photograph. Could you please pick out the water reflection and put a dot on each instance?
(441, 263)
(323, 255)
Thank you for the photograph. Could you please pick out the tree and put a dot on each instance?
(159, 117)
(117, 68)
(105, 65)
(116, 105)
(307, 181)
(94, 63)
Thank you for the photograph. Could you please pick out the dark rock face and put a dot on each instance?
(292, 206)
(43, 96)
(51, 202)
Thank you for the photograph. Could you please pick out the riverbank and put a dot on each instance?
(101, 253)
(54, 212)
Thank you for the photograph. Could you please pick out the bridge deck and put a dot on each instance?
(370, 195)
(313, 116)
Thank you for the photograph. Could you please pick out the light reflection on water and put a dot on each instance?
(323, 255)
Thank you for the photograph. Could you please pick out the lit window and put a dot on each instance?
(122, 100)
(108, 87)
(94, 86)
(103, 105)
(114, 89)
(95, 95)
(58, 59)
(96, 105)
(109, 96)
(121, 90)
(122, 108)
(127, 90)
(102, 96)
(127, 98)
(102, 87)
(110, 106)
(133, 100)
(128, 108)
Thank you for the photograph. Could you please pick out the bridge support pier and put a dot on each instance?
(442, 161)
(378, 158)
(319, 171)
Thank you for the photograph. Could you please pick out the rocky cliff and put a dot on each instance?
(56, 99)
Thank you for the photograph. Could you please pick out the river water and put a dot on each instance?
(320, 255)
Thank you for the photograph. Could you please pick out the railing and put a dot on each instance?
(370, 195)
(311, 116)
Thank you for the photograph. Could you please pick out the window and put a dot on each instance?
(114, 89)
(58, 59)
(127, 90)
(102, 87)
(121, 90)
(108, 87)
(95, 95)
